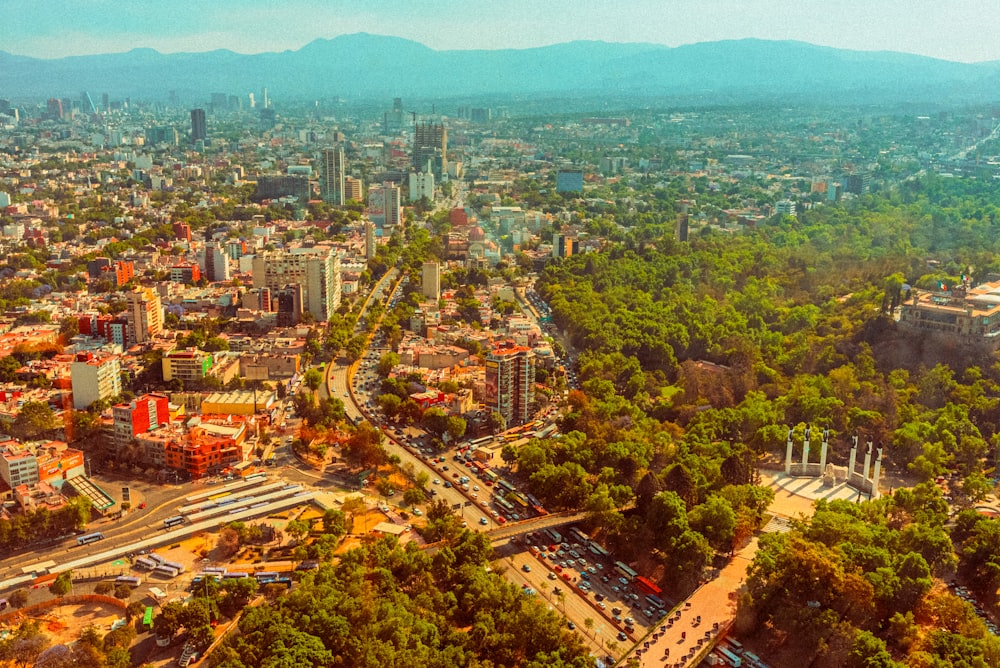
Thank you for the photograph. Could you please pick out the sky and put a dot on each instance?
(961, 30)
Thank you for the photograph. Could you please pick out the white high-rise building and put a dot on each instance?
(331, 175)
(430, 280)
(316, 270)
(144, 313)
(421, 185)
(214, 262)
(94, 376)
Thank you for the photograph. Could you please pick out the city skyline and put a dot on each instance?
(58, 28)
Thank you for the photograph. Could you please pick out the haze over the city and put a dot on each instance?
(954, 30)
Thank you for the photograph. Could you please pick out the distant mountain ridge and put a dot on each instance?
(373, 66)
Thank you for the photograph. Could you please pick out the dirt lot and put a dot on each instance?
(63, 624)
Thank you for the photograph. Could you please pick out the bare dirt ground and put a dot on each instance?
(63, 624)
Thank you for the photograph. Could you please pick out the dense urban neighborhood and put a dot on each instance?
(488, 382)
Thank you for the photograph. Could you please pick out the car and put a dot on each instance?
(483, 521)
(585, 586)
(585, 575)
(501, 519)
(436, 481)
(526, 568)
(417, 512)
(571, 626)
(616, 589)
(142, 506)
(484, 503)
(475, 488)
(447, 484)
(599, 597)
(495, 514)
(552, 576)
(622, 637)
(604, 579)
(623, 581)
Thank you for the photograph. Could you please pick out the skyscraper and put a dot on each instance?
(384, 206)
(430, 280)
(369, 240)
(145, 315)
(316, 270)
(430, 144)
(510, 382)
(331, 175)
(199, 129)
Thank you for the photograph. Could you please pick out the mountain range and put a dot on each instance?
(372, 66)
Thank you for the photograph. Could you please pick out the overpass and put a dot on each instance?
(512, 529)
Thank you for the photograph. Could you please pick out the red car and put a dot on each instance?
(501, 519)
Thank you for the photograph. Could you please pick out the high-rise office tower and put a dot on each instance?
(316, 270)
(430, 280)
(510, 382)
(199, 129)
(331, 175)
(144, 313)
(430, 144)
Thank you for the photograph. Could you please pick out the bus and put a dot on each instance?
(130, 580)
(170, 564)
(173, 521)
(147, 619)
(646, 586)
(157, 558)
(144, 563)
(220, 570)
(266, 576)
(89, 538)
(656, 602)
(165, 571)
(504, 503)
(735, 644)
(480, 441)
(554, 535)
(490, 475)
(578, 535)
(235, 575)
(625, 571)
(518, 498)
(598, 550)
(506, 486)
(730, 658)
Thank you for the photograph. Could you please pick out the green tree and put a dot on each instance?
(34, 419)
(313, 379)
(62, 585)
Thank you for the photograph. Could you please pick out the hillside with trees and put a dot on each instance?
(695, 356)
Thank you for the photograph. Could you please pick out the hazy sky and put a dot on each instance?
(962, 30)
